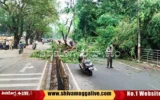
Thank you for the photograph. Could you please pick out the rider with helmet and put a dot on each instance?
(22, 42)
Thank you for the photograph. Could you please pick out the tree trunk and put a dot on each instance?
(85, 36)
(27, 36)
(21, 27)
(40, 36)
(37, 35)
(16, 40)
(31, 38)
(27, 40)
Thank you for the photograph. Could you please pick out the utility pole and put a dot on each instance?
(139, 34)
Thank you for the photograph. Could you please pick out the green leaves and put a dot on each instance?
(154, 28)
(107, 19)
(116, 21)
(29, 15)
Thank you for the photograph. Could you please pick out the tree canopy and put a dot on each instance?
(116, 21)
(30, 16)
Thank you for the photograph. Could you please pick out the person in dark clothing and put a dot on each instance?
(4, 44)
(7, 45)
(1, 45)
(109, 52)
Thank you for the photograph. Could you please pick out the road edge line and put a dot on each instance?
(43, 73)
(153, 86)
(129, 66)
(74, 80)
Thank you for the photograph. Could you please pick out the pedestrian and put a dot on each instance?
(4, 44)
(7, 44)
(10, 44)
(109, 52)
(1, 45)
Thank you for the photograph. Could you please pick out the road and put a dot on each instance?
(19, 71)
(121, 77)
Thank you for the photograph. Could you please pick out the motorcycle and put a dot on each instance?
(87, 67)
(34, 45)
(21, 50)
(24, 45)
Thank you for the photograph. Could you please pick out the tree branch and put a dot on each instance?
(66, 21)
(74, 13)
(94, 32)
(4, 3)
(63, 35)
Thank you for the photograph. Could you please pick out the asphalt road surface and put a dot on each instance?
(19, 71)
(121, 77)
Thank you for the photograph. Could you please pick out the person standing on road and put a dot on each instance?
(109, 52)
(1, 45)
(7, 44)
(10, 44)
(4, 44)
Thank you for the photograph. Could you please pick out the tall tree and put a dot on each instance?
(28, 15)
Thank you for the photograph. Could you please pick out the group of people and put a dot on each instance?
(6, 44)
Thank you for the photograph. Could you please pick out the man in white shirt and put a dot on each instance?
(10, 44)
(109, 52)
(81, 58)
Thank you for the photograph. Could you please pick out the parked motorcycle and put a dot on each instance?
(87, 67)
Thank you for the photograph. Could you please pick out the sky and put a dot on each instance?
(63, 17)
(62, 2)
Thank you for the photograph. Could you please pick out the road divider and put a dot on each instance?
(62, 76)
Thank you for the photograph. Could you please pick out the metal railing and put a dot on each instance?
(151, 56)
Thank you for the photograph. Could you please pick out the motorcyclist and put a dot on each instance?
(81, 58)
(21, 43)
(35, 42)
